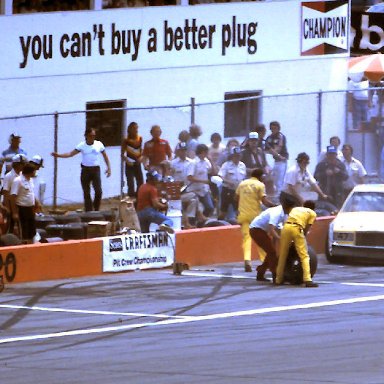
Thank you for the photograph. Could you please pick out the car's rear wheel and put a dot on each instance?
(293, 272)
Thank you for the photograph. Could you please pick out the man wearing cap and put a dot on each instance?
(149, 205)
(198, 177)
(299, 180)
(13, 149)
(276, 145)
(232, 172)
(250, 194)
(38, 162)
(90, 149)
(190, 202)
(331, 173)
(18, 162)
(24, 203)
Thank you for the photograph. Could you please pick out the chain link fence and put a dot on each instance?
(307, 119)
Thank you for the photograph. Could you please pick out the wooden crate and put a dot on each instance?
(99, 229)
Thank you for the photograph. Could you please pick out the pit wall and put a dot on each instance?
(77, 258)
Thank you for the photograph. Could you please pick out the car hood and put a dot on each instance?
(359, 221)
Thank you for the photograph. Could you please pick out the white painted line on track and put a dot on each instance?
(253, 277)
(191, 319)
(84, 311)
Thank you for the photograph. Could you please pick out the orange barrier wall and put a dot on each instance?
(223, 245)
(76, 258)
(37, 262)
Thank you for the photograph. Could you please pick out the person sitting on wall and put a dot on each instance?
(149, 205)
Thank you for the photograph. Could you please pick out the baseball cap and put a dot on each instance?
(331, 149)
(19, 158)
(37, 159)
(181, 145)
(154, 175)
(253, 135)
(235, 151)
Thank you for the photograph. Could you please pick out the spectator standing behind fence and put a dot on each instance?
(131, 151)
(18, 162)
(190, 202)
(194, 132)
(90, 150)
(250, 194)
(335, 141)
(299, 180)
(24, 203)
(216, 149)
(198, 176)
(355, 169)
(232, 172)
(156, 150)
(276, 145)
(331, 174)
(13, 149)
(38, 162)
(359, 102)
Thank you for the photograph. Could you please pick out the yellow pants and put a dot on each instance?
(293, 233)
(247, 239)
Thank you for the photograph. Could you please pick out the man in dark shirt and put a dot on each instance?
(149, 205)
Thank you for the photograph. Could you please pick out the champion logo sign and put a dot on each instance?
(115, 245)
(324, 28)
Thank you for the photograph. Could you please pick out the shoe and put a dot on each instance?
(261, 277)
(166, 228)
(310, 284)
(1, 284)
(247, 267)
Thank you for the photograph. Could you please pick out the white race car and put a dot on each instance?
(357, 232)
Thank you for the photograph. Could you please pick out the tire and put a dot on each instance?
(66, 219)
(109, 215)
(293, 272)
(71, 231)
(86, 217)
(43, 221)
(327, 206)
(215, 223)
(9, 239)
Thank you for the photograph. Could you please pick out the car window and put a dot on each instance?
(365, 202)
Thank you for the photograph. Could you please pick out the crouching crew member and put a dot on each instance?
(264, 232)
(294, 231)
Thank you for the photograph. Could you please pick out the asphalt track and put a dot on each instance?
(210, 325)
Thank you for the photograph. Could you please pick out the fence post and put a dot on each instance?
(193, 106)
(319, 120)
(55, 149)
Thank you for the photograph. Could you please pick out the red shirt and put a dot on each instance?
(157, 151)
(145, 195)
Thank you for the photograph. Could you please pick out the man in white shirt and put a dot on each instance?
(90, 167)
(179, 170)
(232, 172)
(355, 169)
(198, 176)
(18, 162)
(359, 102)
(299, 180)
(24, 203)
(263, 230)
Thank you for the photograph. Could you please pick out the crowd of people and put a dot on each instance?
(233, 182)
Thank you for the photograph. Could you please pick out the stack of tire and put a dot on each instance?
(72, 226)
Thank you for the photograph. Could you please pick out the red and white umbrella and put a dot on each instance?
(369, 66)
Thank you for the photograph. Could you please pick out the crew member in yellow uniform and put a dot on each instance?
(294, 230)
(250, 193)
